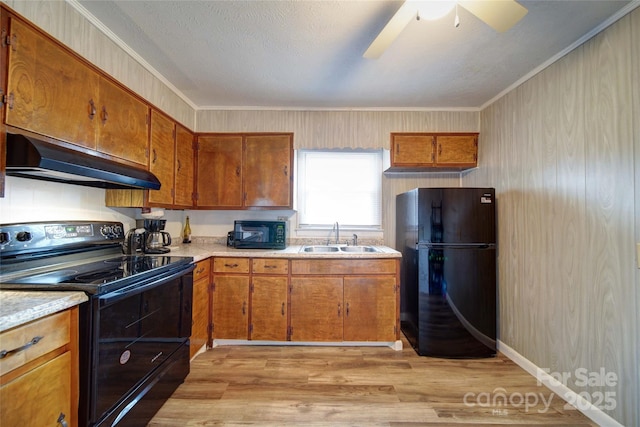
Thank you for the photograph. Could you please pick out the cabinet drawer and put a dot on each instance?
(269, 266)
(53, 332)
(203, 268)
(231, 265)
(39, 397)
(344, 266)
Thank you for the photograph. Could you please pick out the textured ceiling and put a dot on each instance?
(308, 54)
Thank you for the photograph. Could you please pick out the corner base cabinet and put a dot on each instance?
(39, 378)
(200, 312)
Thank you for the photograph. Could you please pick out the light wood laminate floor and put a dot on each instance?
(357, 386)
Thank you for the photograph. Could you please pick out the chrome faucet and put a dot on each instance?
(355, 239)
(336, 227)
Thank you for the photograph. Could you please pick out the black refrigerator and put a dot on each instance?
(447, 237)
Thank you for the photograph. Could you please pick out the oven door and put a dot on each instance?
(136, 330)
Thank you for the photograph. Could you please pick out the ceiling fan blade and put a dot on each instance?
(391, 31)
(498, 14)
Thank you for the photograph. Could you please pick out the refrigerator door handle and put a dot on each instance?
(456, 246)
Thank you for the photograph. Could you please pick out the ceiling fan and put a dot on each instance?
(498, 14)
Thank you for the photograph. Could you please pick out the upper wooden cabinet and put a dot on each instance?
(123, 125)
(52, 92)
(219, 171)
(162, 160)
(268, 176)
(417, 152)
(184, 168)
(171, 161)
(244, 171)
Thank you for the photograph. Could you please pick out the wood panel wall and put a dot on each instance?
(563, 151)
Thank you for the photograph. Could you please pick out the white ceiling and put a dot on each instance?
(308, 54)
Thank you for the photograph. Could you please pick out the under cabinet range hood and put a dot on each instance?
(29, 157)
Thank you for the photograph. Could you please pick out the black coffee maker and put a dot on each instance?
(155, 240)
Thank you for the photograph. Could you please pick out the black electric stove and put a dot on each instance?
(85, 256)
(134, 329)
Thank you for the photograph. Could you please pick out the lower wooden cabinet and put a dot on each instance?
(200, 310)
(320, 300)
(230, 298)
(348, 308)
(39, 384)
(316, 308)
(369, 308)
(269, 299)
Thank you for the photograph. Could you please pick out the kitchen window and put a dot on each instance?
(343, 186)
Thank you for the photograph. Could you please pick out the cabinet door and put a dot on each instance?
(123, 124)
(39, 397)
(459, 150)
(162, 159)
(268, 171)
(184, 166)
(370, 308)
(219, 169)
(412, 150)
(269, 308)
(316, 308)
(200, 318)
(53, 93)
(231, 307)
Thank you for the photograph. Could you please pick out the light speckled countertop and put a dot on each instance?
(201, 251)
(20, 307)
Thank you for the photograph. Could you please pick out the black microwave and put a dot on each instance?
(259, 235)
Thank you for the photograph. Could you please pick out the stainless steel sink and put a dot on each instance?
(358, 249)
(338, 249)
(323, 249)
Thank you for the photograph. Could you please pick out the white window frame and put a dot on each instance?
(301, 186)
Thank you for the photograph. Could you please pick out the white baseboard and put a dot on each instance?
(395, 345)
(587, 408)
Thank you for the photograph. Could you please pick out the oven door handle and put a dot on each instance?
(144, 285)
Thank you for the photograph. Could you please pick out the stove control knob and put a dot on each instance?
(4, 238)
(23, 236)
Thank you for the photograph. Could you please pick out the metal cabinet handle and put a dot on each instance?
(231, 265)
(155, 155)
(104, 115)
(179, 165)
(286, 171)
(61, 420)
(5, 353)
(237, 170)
(339, 310)
(244, 307)
(347, 309)
(200, 270)
(282, 310)
(92, 109)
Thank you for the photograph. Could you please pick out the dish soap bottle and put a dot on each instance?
(186, 234)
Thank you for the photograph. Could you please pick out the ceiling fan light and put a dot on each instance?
(435, 9)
